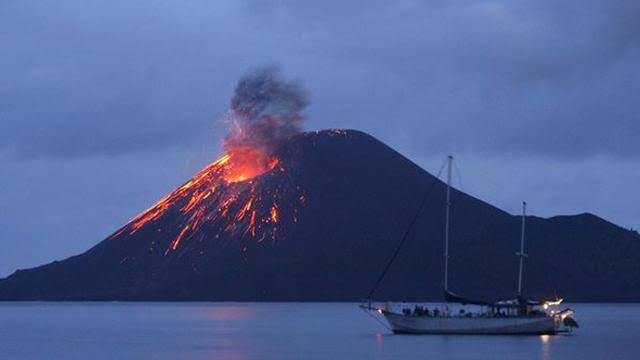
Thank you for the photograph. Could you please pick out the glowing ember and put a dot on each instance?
(274, 213)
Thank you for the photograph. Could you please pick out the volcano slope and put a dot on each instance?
(320, 225)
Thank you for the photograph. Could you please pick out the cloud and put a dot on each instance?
(528, 77)
(85, 80)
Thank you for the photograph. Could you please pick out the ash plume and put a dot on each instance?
(266, 109)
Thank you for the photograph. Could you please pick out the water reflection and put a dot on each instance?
(277, 331)
(229, 357)
(379, 338)
(544, 340)
(229, 312)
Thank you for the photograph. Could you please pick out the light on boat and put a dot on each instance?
(546, 304)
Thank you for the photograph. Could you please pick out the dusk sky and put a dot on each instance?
(106, 106)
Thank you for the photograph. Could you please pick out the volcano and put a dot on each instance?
(318, 222)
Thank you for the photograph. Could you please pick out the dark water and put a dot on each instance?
(283, 331)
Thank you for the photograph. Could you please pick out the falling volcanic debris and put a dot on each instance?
(238, 195)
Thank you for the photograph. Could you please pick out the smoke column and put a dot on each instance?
(266, 110)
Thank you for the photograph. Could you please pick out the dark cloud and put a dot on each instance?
(525, 76)
(530, 76)
(81, 80)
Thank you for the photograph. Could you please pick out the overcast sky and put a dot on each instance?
(105, 106)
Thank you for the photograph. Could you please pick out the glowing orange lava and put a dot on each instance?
(248, 163)
(228, 198)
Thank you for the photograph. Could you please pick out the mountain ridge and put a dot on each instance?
(346, 198)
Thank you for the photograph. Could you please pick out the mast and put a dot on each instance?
(521, 254)
(446, 225)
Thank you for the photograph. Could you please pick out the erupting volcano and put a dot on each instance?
(290, 215)
(239, 195)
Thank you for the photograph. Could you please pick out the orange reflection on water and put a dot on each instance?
(229, 312)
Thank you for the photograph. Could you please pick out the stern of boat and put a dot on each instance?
(564, 321)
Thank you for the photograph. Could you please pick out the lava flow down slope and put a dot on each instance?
(315, 216)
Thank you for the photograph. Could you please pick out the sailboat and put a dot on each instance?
(460, 315)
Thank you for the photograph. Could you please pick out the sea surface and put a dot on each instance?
(235, 331)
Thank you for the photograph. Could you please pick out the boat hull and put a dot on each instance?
(408, 324)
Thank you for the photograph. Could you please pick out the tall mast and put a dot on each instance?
(521, 254)
(446, 225)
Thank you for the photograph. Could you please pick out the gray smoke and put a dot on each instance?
(266, 110)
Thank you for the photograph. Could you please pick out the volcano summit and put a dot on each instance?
(319, 223)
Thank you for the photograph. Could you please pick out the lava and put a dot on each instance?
(229, 196)
(274, 214)
(248, 163)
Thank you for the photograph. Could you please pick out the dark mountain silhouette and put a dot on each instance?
(321, 225)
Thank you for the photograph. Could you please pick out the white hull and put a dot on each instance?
(409, 324)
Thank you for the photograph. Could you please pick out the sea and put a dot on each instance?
(239, 331)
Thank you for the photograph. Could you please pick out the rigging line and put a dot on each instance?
(455, 167)
(406, 233)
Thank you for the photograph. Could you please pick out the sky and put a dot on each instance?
(106, 106)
